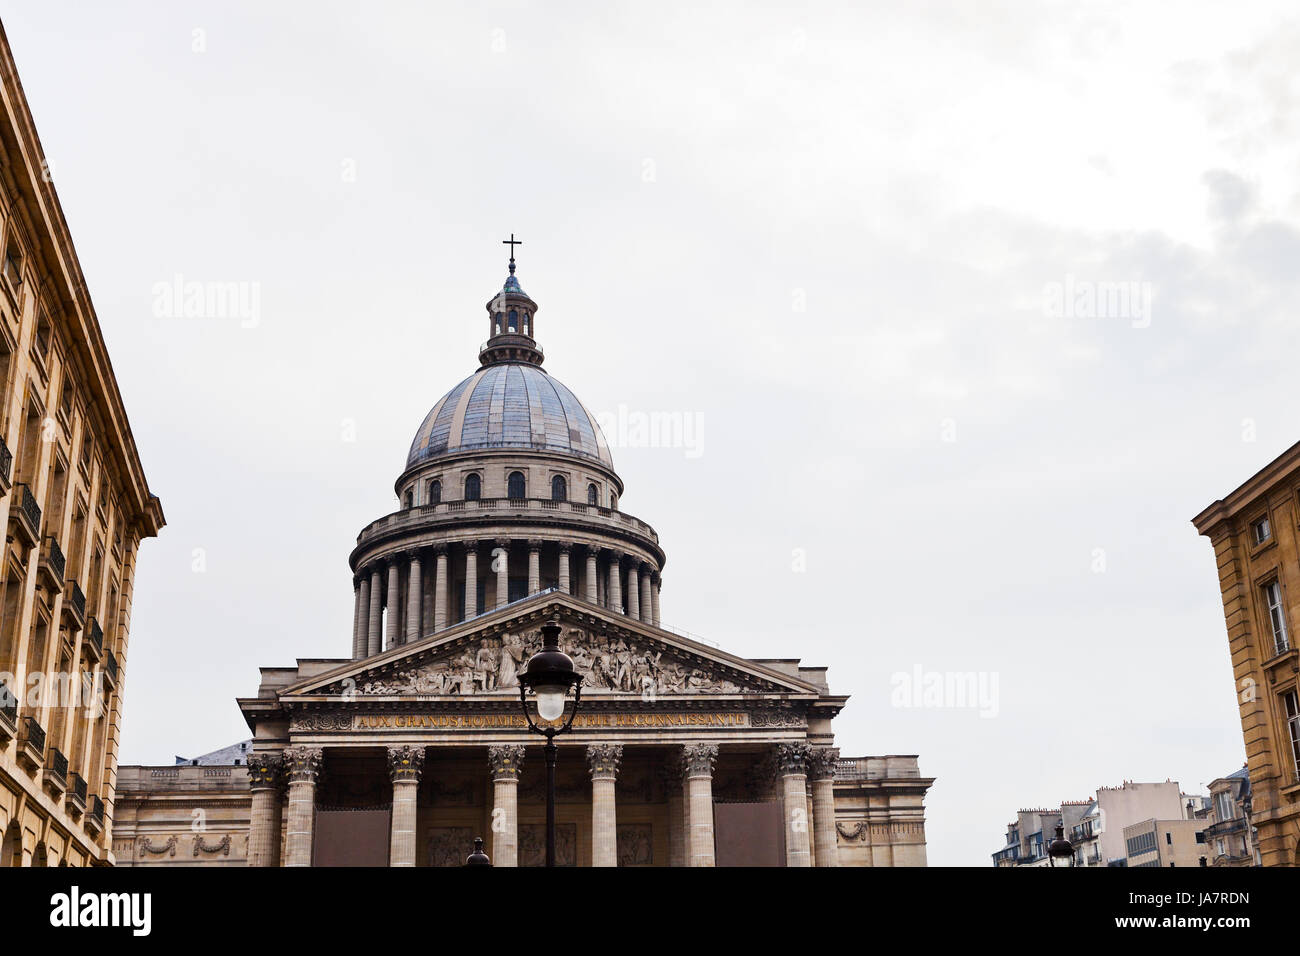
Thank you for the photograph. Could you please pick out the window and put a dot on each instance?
(515, 485)
(13, 265)
(527, 328)
(410, 499)
(1169, 838)
(435, 491)
(513, 325)
(496, 323)
(559, 489)
(1261, 530)
(473, 488)
(1292, 705)
(1276, 618)
(1222, 807)
(593, 495)
(613, 503)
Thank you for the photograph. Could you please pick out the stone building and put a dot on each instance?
(681, 754)
(77, 507)
(1257, 552)
(1229, 837)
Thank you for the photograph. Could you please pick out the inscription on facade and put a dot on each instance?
(693, 721)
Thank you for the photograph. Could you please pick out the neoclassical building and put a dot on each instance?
(681, 754)
(77, 508)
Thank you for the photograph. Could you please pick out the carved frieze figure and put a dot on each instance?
(606, 665)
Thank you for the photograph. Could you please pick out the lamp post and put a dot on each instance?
(1060, 852)
(548, 676)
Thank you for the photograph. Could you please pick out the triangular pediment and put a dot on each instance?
(618, 657)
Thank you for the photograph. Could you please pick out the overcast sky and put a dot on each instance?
(831, 237)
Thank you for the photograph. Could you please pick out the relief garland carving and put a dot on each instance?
(169, 848)
(606, 663)
(223, 847)
(857, 832)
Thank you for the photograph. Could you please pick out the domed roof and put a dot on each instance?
(509, 405)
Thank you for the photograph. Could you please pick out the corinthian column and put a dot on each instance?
(821, 766)
(647, 605)
(375, 637)
(404, 766)
(697, 760)
(791, 760)
(471, 579)
(501, 564)
(506, 762)
(675, 787)
(414, 600)
(565, 585)
(603, 759)
(654, 597)
(534, 566)
(633, 592)
(303, 767)
(394, 604)
(265, 780)
(592, 596)
(358, 642)
(361, 640)
(440, 586)
(615, 583)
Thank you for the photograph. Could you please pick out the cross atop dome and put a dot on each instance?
(511, 315)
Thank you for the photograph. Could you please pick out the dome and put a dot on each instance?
(509, 405)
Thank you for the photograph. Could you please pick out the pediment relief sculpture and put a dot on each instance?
(609, 665)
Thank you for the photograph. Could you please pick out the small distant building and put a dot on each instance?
(1165, 843)
(1230, 838)
(1095, 827)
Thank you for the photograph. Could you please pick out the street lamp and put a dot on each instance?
(478, 857)
(1060, 852)
(548, 676)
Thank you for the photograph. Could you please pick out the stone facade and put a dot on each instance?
(1255, 533)
(77, 506)
(416, 743)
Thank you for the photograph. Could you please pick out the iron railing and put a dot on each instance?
(97, 809)
(54, 556)
(8, 703)
(110, 666)
(28, 506)
(33, 733)
(78, 787)
(58, 764)
(77, 598)
(95, 634)
(6, 461)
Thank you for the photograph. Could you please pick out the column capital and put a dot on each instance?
(603, 760)
(792, 758)
(502, 543)
(565, 547)
(614, 554)
(506, 761)
(265, 771)
(440, 549)
(405, 763)
(822, 762)
(698, 759)
(302, 764)
(535, 544)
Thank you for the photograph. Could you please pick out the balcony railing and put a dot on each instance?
(54, 556)
(74, 605)
(511, 506)
(8, 703)
(57, 764)
(25, 513)
(95, 637)
(110, 666)
(77, 788)
(6, 465)
(32, 733)
(95, 814)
